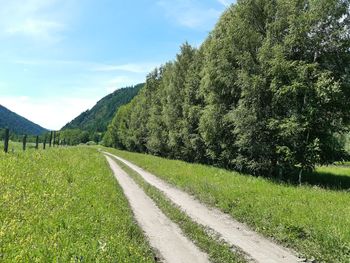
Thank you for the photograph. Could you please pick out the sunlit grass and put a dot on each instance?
(342, 170)
(18, 146)
(64, 205)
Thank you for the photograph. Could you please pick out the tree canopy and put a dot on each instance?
(268, 92)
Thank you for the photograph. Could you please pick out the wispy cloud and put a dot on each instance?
(132, 67)
(190, 13)
(137, 67)
(37, 29)
(39, 20)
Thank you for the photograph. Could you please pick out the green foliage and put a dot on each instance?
(97, 119)
(268, 92)
(17, 124)
(74, 136)
(64, 205)
(312, 220)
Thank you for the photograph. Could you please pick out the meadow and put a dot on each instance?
(18, 146)
(64, 205)
(313, 220)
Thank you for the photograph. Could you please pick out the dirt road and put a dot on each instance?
(164, 235)
(255, 246)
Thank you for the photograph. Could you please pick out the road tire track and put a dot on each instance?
(256, 247)
(164, 235)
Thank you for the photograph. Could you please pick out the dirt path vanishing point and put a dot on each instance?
(256, 247)
(164, 235)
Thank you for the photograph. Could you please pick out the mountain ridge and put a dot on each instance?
(98, 117)
(18, 124)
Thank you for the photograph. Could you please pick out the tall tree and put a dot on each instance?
(268, 92)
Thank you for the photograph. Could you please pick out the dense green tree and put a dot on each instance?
(74, 136)
(268, 92)
(157, 131)
(117, 134)
(175, 100)
(294, 97)
(220, 90)
(193, 104)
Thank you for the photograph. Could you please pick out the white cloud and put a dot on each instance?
(139, 68)
(52, 113)
(190, 13)
(132, 67)
(39, 20)
(38, 29)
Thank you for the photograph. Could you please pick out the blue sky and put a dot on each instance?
(59, 57)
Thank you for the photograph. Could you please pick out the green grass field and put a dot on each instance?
(18, 146)
(312, 220)
(64, 205)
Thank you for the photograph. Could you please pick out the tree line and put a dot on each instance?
(268, 92)
(67, 137)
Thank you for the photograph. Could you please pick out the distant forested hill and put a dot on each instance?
(18, 124)
(98, 118)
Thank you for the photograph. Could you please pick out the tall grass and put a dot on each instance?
(16, 147)
(64, 205)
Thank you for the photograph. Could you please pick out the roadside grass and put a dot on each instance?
(312, 220)
(218, 251)
(64, 205)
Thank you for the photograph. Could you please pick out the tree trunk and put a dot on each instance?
(300, 175)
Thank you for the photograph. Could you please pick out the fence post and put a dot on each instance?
(6, 142)
(50, 142)
(54, 138)
(58, 140)
(37, 142)
(24, 142)
(44, 144)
